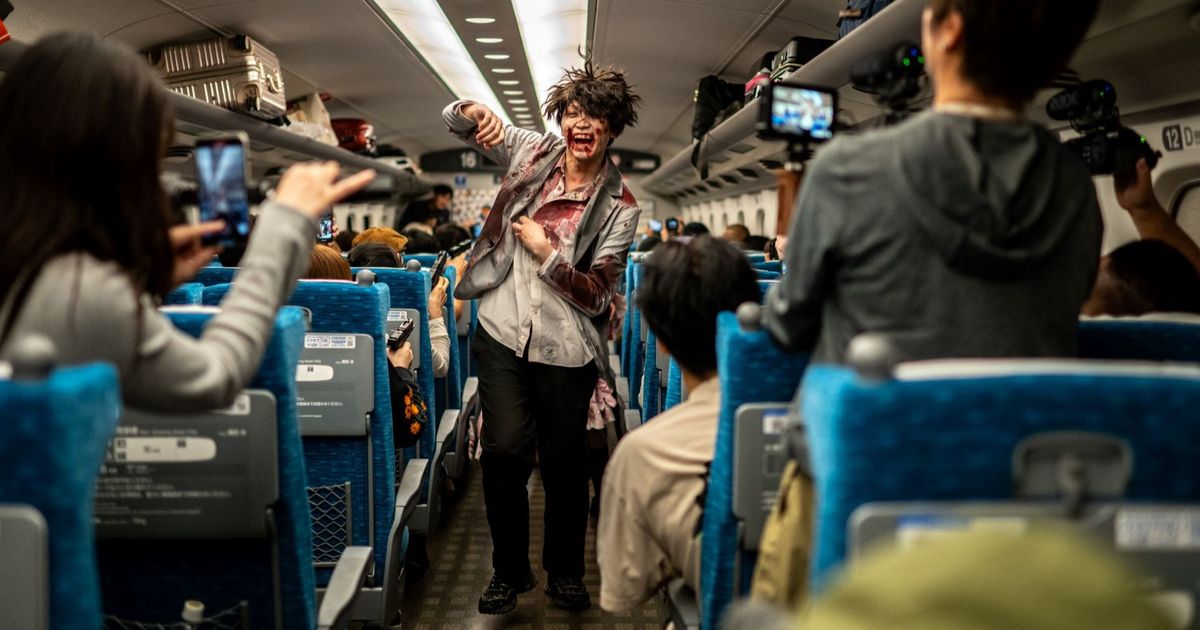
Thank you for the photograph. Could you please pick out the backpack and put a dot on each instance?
(715, 101)
(857, 12)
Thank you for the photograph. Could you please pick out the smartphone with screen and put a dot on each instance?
(400, 335)
(656, 225)
(798, 113)
(221, 176)
(439, 267)
(325, 228)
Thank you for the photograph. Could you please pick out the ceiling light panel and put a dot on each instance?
(509, 82)
(496, 56)
(481, 20)
(553, 32)
(427, 28)
(490, 40)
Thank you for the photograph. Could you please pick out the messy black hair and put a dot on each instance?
(601, 92)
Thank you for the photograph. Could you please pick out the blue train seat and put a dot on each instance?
(52, 442)
(188, 293)
(949, 430)
(1154, 338)
(210, 276)
(358, 483)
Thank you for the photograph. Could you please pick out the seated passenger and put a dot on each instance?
(385, 235)
(694, 229)
(326, 264)
(649, 507)
(345, 240)
(1144, 277)
(376, 254)
(83, 258)
(420, 241)
(648, 243)
(737, 234)
(448, 235)
(409, 413)
(1136, 196)
(373, 255)
(964, 231)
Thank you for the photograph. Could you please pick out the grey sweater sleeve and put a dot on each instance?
(173, 371)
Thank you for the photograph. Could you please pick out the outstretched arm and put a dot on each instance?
(1153, 221)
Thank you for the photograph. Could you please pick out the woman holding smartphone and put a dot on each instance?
(88, 249)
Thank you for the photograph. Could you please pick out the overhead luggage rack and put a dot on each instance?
(733, 149)
(270, 145)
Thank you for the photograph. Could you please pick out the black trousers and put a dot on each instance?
(533, 409)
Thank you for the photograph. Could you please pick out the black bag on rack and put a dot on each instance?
(6, 8)
(713, 96)
(857, 12)
(798, 52)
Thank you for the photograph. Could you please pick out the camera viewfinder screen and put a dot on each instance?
(804, 112)
(221, 179)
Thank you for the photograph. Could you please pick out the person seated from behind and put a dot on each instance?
(648, 243)
(649, 512)
(373, 255)
(757, 244)
(1144, 277)
(345, 240)
(449, 235)
(965, 231)
(367, 250)
(737, 234)
(385, 235)
(694, 229)
(421, 242)
(409, 413)
(432, 212)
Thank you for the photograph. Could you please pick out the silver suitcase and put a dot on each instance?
(236, 73)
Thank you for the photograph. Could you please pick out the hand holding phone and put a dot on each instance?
(221, 175)
(400, 335)
(439, 267)
(325, 228)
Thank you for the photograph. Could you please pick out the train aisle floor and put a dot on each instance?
(447, 597)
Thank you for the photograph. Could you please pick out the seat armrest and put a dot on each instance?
(408, 494)
(470, 388)
(633, 419)
(445, 429)
(348, 577)
(683, 605)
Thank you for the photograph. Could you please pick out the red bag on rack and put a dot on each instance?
(355, 134)
(4, 36)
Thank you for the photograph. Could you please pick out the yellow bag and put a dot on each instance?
(781, 576)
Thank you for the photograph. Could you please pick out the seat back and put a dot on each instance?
(767, 275)
(769, 265)
(674, 394)
(752, 369)
(410, 290)
(449, 388)
(1161, 339)
(210, 276)
(189, 293)
(947, 430)
(651, 380)
(360, 469)
(426, 260)
(144, 577)
(24, 567)
(52, 442)
(184, 511)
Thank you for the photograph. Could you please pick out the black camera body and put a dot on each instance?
(1105, 145)
(892, 75)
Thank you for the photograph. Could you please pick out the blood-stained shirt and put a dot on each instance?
(524, 312)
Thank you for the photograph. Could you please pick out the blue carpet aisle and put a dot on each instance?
(447, 597)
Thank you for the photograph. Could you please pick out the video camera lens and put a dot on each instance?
(892, 74)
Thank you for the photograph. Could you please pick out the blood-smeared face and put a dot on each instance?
(587, 136)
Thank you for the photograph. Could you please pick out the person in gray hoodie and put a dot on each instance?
(965, 231)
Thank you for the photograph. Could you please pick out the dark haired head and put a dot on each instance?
(421, 242)
(601, 92)
(1145, 277)
(683, 290)
(737, 233)
(1013, 48)
(449, 235)
(84, 124)
(694, 229)
(345, 239)
(326, 264)
(649, 243)
(442, 189)
(757, 244)
(373, 255)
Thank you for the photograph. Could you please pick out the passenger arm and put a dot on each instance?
(793, 307)
(1153, 221)
(462, 119)
(172, 371)
(592, 291)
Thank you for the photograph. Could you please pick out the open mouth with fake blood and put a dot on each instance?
(581, 143)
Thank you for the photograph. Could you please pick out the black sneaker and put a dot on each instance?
(568, 593)
(501, 597)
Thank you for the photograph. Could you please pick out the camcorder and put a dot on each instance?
(893, 76)
(1104, 144)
